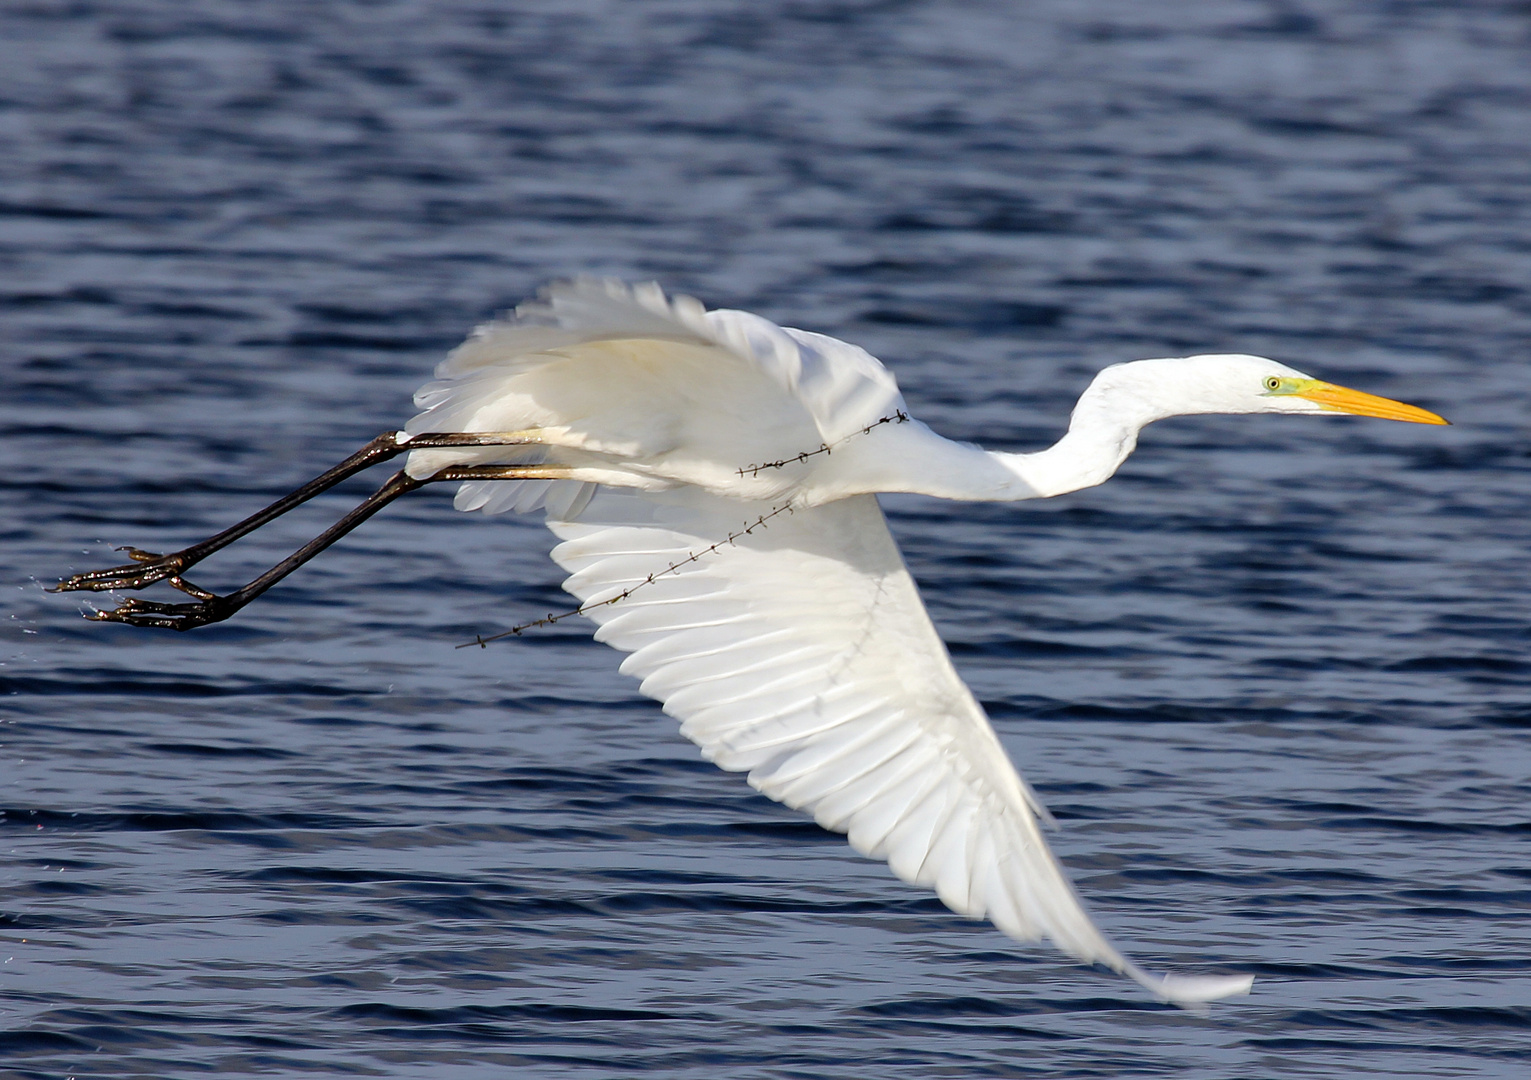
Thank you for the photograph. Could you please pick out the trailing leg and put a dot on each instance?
(211, 608)
(148, 567)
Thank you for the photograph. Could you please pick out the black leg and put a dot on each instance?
(148, 567)
(211, 608)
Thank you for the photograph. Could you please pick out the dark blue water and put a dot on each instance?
(1273, 678)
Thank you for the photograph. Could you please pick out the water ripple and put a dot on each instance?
(1272, 678)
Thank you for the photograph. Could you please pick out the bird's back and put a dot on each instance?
(654, 390)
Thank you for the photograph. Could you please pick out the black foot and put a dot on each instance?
(136, 612)
(145, 569)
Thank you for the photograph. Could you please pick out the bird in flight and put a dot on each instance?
(712, 480)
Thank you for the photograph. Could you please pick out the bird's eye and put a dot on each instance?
(1273, 383)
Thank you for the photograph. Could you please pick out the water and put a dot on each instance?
(1273, 677)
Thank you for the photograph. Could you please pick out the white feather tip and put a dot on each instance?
(1194, 991)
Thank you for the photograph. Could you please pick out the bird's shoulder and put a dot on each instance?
(638, 332)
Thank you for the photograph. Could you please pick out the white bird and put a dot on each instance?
(712, 480)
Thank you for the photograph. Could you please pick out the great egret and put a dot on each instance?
(712, 480)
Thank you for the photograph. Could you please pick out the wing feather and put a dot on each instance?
(612, 375)
(802, 655)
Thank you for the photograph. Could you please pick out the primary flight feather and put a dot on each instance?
(712, 478)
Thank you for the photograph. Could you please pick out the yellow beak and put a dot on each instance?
(1342, 399)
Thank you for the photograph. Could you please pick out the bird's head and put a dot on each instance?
(1235, 383)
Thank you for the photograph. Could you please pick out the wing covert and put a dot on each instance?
(624, 371)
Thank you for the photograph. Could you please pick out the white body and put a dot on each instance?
(799, 651)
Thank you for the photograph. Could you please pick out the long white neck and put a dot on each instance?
(1103, 430)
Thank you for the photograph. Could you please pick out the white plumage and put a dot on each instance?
(718, 521)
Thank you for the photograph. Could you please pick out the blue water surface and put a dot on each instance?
(1273, 678)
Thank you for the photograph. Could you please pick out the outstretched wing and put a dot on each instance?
(793, 645)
